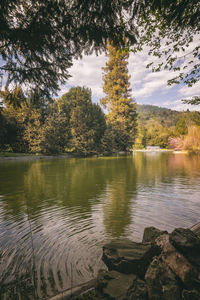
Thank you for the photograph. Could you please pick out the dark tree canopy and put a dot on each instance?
(38, 39)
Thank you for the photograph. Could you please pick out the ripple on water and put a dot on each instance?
(75, 206)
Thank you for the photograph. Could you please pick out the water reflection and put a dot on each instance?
(73, 206)
(120, 195)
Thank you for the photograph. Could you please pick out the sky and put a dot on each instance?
(147, 87)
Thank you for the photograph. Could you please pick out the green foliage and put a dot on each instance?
(181, 127)
(33, 131)
(13, 120)
(122, 115)
(15, 98)
(169, 29)
(55, 133)
(193, 101)
(87, 122)
(71, 123)
(38, 41)
(158, 125)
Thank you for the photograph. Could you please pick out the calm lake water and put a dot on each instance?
(55, 215)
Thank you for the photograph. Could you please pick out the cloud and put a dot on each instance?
(147, 87)
(190, 91)
(88, 72)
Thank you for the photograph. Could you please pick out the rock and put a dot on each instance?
(138, 291)
(190, 295)
(187, 243)
(129, 257)
(114, 285)
(161, 282)
(196, 229)
(177, 262)
(151, 233)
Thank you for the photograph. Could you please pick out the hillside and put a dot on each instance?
(167, 116)
(156, 125)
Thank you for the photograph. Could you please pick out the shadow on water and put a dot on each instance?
(73, 206)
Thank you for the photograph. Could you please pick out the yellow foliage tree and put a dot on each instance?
(121, 107)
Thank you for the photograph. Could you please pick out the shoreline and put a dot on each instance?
(45, 157)
(35, 157)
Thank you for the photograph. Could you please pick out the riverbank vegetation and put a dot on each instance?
(73, 124)
(167, 128)
(37, 124)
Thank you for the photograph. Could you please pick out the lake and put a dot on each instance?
(56, 214)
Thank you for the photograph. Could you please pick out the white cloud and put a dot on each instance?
(144, 82)
(177, 104)
(190, 91)
(88, 72)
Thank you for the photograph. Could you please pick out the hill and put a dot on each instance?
(156, 125)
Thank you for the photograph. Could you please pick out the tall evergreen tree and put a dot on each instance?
(121, 108)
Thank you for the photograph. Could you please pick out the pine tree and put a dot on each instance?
(121, 108)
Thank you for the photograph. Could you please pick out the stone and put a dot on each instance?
(115, 285)
(187, 243)
(190, 295)
(129, 257)
(151, 233)
(161, 282)
(196, 229)
(138, 291)
(177, 262)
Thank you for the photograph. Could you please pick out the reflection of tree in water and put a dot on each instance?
(12, 189)
(151, 167)
(65, 183)
(72, 183)
(187, 165)
(120, 189)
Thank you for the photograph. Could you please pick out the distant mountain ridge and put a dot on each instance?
(168, 117)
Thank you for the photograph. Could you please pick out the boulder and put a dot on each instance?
(115, 285)
(187, 243)
(129, 257)
(151, 233)
(177, 262)
(161, 282)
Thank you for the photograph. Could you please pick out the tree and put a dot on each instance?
(171, 31)
(38, 39)
(55, 133)
(33, 134)
(181, 127)
(121, 107)
(86, 121)
(193, 101)
(14, 116)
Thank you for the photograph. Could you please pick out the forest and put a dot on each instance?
(74, 124)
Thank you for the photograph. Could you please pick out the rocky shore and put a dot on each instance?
(163, 267)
